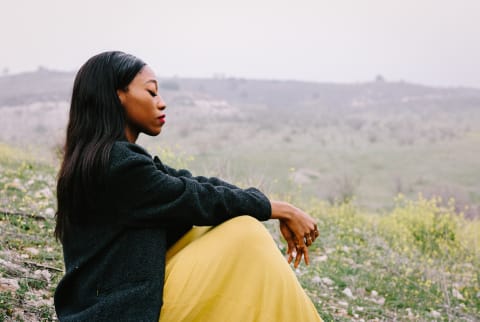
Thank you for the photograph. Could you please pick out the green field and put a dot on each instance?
(419, 261)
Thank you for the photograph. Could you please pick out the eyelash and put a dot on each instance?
(152, 93)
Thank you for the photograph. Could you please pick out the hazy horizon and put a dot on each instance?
(346, 41)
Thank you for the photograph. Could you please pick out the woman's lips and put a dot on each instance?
(161, 118)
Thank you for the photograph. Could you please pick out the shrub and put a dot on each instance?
(431, 228)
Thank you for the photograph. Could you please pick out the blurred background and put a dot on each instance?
(338, 100)
(364, 113)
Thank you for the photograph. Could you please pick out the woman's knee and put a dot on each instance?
(246, 231)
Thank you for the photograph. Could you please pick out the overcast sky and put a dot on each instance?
(434, 42)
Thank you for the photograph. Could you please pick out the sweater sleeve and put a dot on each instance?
(143, 195)
(185, 173)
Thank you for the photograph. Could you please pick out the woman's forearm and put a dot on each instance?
(281, 210)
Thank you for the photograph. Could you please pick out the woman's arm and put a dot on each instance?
(298, 228)
(185, 173)
(145, 196)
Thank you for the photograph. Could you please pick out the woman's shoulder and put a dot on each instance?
(121, 149)
(125, 155)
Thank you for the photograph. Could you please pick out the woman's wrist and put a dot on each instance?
(281, 210)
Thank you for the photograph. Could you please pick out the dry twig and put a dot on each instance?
(21, 214)
(43, 266)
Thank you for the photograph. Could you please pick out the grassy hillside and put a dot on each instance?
(390, 170)
(419, 261)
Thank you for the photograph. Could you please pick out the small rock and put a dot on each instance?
(37, 302)
(478, 295)
(350, 261)
(380, 301)
(322, 258)
(316, 279)
(409, 312)
(341, 311)
(43, 275)
(374, 293)
(343, 303)
(347, 292)
(346, 249)
(360, 292)
(32, 250)
(16, 183)
(327, 281)
(43, 193)
(9, 285)
(457, 295)
(12, 268)
(435, 314)
(49, 212)
(19, 314)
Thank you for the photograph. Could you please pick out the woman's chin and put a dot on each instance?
(154, 132)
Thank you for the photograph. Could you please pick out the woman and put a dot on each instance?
(125, 220)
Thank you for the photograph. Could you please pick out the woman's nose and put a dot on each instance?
(161, 103)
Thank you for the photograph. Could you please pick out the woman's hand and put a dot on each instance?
(297, 227)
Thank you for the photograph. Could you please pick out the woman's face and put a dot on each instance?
(144, 108)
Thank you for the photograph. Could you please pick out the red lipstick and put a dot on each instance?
(162, 118)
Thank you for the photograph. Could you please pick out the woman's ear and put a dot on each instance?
(121, 95)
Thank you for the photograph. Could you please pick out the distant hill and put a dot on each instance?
(39, 86)
(46, 85)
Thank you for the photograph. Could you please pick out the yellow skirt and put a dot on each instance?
(233, 272)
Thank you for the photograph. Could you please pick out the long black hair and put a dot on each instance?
(96, 121)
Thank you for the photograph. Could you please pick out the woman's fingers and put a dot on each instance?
(298, 258)
(290, 250)
(289, 237)
(290, 257)
(314, 233)
(305, 256)
(308, 239)
(302, 250)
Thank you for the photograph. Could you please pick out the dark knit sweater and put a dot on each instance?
(115, 263)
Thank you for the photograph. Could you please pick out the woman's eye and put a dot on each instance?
(152, 93)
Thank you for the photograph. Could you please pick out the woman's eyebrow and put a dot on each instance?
(153, 81)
